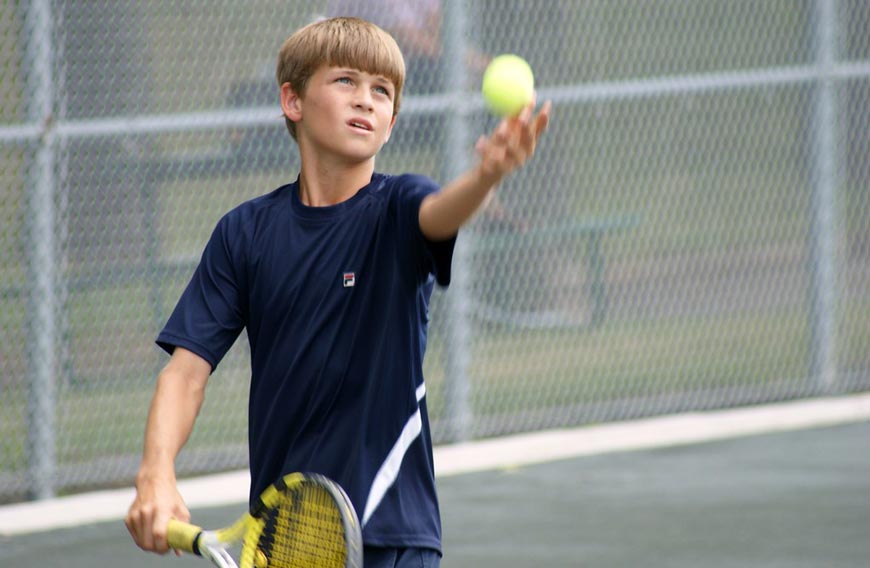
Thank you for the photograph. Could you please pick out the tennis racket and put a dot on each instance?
(302, 520)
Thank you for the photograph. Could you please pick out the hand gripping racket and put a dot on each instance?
(302, 520)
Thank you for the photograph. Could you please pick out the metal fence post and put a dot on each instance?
(456, 156)
(41, 250)
(825, 225)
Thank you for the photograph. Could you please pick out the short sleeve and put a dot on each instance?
(436, 256)
(209, 315)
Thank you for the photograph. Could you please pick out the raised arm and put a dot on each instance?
(509, 146)
(176, 403)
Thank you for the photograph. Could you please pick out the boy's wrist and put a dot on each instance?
(152, 473)
(487, 177)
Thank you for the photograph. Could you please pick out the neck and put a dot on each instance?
(321, 185)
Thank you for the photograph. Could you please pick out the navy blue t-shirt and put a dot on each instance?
(335, 301)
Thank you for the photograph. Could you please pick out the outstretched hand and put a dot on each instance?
(507, 148)
(512, 142)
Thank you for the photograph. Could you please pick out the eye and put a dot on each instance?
(383, 90)
(346, 80)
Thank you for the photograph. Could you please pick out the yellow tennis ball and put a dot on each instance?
(508, 85)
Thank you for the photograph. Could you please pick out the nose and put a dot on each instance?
(363, 99)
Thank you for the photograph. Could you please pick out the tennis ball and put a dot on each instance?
(508, 85)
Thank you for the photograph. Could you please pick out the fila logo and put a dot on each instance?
(349, 279)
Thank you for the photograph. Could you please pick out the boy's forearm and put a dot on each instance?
(173, 411)
(443, 213)
(177, 399)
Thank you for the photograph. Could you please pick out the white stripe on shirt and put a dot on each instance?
(389, 470)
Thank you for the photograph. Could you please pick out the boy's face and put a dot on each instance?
(345, 112)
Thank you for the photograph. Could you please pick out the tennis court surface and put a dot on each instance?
(797, 498)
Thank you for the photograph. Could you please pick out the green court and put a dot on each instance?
(795, 499)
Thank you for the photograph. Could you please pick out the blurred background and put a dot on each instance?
(693, 233)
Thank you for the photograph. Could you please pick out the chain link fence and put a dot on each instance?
(692, 234)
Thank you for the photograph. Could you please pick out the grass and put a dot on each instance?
(108, 419)
(630, 359)
(509, 370)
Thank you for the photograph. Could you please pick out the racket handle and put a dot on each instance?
(183, 536)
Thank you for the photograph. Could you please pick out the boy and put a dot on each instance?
(331, 275)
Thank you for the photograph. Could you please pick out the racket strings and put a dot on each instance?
(305, 530)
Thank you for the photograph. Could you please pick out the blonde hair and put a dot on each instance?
(339, 42)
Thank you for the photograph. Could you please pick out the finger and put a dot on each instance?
(502, 131)
(515, 156)
(528, 136)
(131, 527)
(497, 145)
(161, 542)
(505, 149)
(480, 146)
(142, 522)
(182, 513)
(497, 156)
(523, 145)
(534, 130)
(543, 119)
(526, 113)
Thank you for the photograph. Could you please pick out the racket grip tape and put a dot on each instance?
(183, 536)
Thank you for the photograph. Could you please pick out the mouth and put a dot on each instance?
(360, 124)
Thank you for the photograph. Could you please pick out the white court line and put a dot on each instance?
(658, 432)
(508, 452)
(111, 505)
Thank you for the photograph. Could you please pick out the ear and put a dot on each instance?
(390, 129)
(291, 103)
